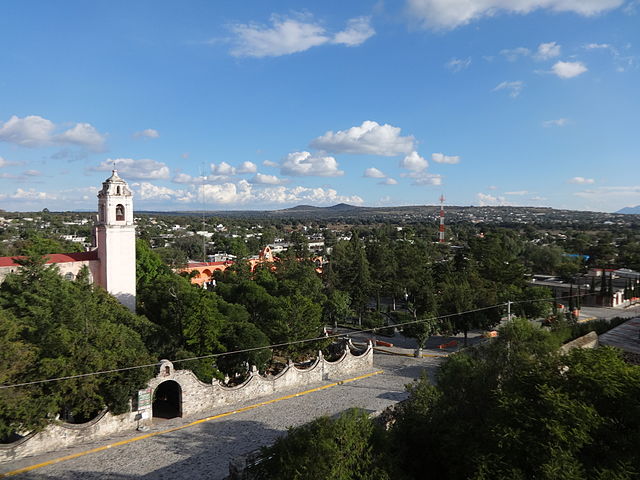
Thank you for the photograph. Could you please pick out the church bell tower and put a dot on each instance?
(116, 240)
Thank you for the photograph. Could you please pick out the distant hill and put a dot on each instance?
(506, 216)
(340, 207)
(301, 208)
(630, 210)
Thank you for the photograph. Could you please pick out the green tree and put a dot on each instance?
(422, 330)
(21, 408)
(242, 336)
(191, 245)
(337, 308)
(340, 449)
(75, 328)
(350, 271)
(37, 245)
(516, 408)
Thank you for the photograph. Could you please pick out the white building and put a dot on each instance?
(112, 261)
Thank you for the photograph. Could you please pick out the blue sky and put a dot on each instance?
(261, 105)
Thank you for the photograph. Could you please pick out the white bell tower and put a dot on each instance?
(116, 240)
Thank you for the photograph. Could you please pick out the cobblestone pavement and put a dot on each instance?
(204, 450)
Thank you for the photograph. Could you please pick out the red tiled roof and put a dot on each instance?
(56, 258)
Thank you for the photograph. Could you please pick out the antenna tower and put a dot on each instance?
(441, 230)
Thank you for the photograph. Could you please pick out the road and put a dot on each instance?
(204, 450)
(607, 313)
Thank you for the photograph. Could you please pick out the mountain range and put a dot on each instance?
(630, 210)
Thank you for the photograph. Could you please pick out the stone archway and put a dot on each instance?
(167, 400)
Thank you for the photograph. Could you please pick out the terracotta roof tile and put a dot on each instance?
(56, 258)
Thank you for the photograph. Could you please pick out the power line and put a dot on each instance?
(295, 342)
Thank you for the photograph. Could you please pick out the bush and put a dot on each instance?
(340, 449)
(565, 332)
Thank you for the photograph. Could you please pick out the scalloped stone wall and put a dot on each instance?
(196, 397)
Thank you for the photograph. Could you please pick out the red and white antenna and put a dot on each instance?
(441, 231)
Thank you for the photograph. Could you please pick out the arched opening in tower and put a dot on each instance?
(167, 400)
(119, 212)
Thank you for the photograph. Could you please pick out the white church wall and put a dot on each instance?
(68, 270)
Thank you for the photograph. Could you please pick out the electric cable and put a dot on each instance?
(295, 342)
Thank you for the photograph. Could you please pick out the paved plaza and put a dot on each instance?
(205, 449)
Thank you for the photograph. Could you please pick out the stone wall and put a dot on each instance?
(590, 340)
(196, 397)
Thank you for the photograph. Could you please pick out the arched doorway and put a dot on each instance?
(167, 400)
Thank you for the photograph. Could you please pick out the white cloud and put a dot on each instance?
(631, 7)
(187, 179)
(27, 195)
(596, 46)
(264, 179)
(228, 193)
(622, 62)
(369, 138)
(357, 32)
(613, 197)
(373, 172)
(147, 133)
(518, 192)
(289, 35)
(32, 173)
(514, 88)
(422, 179)
(449, 14)
(610, 192)
(414, 162)
(247, 167)
(458, 64)
(486, 200)
(34, 131)
(200, 179)
(222, 168)
(149, 191)
(492, 187)
(30, 131)
(243, 193)
(323, 195)
(269, 163)
(83, 135)
(512, 54)
(547, 51)
(306, 164)
(581, 181)
(558, 122)
(7, 163)
(143, 169)
(568, 69)
(442, 158)
(285, 36)
(388, 181)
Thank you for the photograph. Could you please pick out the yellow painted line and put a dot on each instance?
(169, 430)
